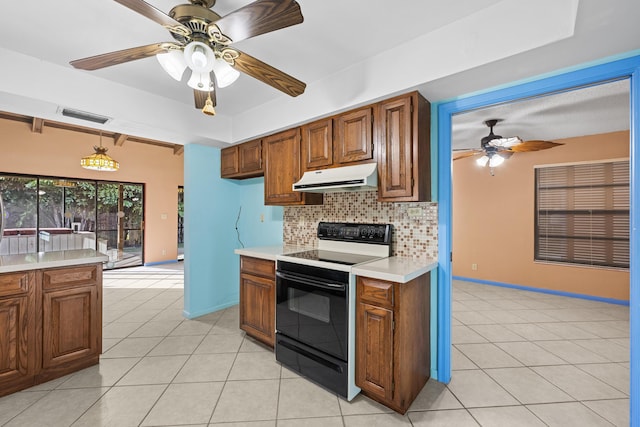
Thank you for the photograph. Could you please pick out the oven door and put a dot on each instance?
(313, 309)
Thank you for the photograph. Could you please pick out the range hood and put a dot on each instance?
(346, 178)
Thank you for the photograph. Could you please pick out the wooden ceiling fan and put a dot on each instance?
(495, 149)
(203, 42)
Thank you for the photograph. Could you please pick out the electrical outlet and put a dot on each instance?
(164, 252)
(474, 266)
(163, 216)
(261, 217)
(414, 212)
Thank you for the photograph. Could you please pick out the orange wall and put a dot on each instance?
(57, 152)
(493, 221)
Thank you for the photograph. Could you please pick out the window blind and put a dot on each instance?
(582, 213)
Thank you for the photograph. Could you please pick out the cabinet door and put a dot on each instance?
(317, 144)
(282, 168)
(229, 162)
(250, 154)
(257, 307)
(354, 140)
(395, 144)
(374, 351)
(71, 325)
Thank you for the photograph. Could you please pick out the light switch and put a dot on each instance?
(163, 216)
(414, 212)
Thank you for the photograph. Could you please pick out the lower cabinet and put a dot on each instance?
(392, 340)
(258, 298)
(50, 324)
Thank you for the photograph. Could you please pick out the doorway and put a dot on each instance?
(625, 68)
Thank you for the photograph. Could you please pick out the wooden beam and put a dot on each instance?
(178, 149)
(119, 139)
(37, 124)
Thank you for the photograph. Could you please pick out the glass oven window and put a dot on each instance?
(309, 304)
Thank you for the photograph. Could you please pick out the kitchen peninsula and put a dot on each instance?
(50, 315)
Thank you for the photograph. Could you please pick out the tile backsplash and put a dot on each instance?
(415, 225)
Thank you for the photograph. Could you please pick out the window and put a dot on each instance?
(582, 213)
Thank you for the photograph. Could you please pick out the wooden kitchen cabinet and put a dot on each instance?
(392, 340)
(71, 320)
(354, 136)
(317, 144)
(258, 298)
(402, 137)
(18, 345)
(242, 161)
(282, 169)
(50, 324)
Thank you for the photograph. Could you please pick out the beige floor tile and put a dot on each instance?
(602, 329)
(185, 404)
(249, 345)
(568, 415)
(463, 334)
(473, 318)
(108, 343)
(506, 416)
(477, 389)
(613, 374)
(434, 396)
(567, 331)
(13, 404)
(120, 329)
(527, 386)
(460, 361)
(312, 422)
(105, 374)
(578, 384)
(288, 373)
(192, 327)
(531, 354)
(247, 401)
(154, 370)
(496, 333)
(362, 405)
(300, 398)
(532, 332)
(57, 408)
(140, 315)
(206, 367)
(529, 315)
(571, 352)
(271, 423)
(50, 385)
(132, 347)
(488, 355)
(255, 366)
(377, 420)
(605, 348)
(614, 411)
(155, 329)
(121, 406)
(503, 317)
(456, 417)
(174, 345)
(220, 344)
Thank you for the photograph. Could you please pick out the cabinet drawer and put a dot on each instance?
(376, 292)
(70, 277)
(257, 266)
(14, 283)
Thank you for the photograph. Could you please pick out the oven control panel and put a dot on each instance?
(355, 232)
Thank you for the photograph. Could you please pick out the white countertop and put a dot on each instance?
(395, 269)
(36, 261)
(270, 252)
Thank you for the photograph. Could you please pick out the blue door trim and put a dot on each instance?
(588, 75)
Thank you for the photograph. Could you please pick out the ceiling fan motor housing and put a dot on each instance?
(196, 18)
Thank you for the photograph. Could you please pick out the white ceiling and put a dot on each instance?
(348, 52)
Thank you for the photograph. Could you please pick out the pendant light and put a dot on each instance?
(100, 161)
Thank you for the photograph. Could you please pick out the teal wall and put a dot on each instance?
(211, 269)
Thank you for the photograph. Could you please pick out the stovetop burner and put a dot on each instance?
(335, 257)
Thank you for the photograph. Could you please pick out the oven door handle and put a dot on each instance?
(312, 282)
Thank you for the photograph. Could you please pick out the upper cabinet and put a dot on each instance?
(402, 137)
(282, 169)
(354, 136)
(242, 161)
(317, 144)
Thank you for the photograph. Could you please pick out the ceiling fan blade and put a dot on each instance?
(156, 15)
(464, 154)
(267, 74)
(259, 17)
(200, 97)
(534, 145)
(121, 56)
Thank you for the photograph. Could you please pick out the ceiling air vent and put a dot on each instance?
(83, 115)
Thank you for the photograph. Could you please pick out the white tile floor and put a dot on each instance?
(519, 359)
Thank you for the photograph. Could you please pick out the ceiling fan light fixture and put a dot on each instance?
(200, 81)
(199, 57)
(225, 73)
(482, 161)
(496, 160)
(173, 63)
